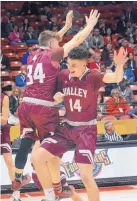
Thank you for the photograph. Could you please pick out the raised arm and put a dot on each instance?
(82, 35)
(68, 24)
(120, 59)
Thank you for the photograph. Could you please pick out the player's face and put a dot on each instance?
(76, 67)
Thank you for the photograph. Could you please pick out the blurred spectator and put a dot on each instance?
(129, 14)
(20, 79)
(121, 25)
(128, 74)
(71, 6)
(4, 27)
(96, 41)
(51, 23)
(25, 56)
(131, 62)
(110, 134)
(26, 24)
(21, 33)
(124, 44)
(5, 63)
(29, 8)
(110, 64)
(8, 13)
(102, 27)
(100, 108)
(47, 12)
(129, 30)
(131, 42)
(15, 36)
(14, 104)
(125, 91)
(102, 68)
(14, 100)
(30, 36)
(11, 24)
(109, 88)
(96, 63)
(135, 36)
(116, 105)
(108, 36)
(105, 53)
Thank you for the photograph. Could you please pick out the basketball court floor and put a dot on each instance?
(122, 193)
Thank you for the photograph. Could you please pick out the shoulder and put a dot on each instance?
(96, 74)
(64, 74)
(57, 54)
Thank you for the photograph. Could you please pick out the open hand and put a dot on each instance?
(93, 18)
(120, 58)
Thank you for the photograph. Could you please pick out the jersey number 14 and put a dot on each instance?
(75, 106)
(37, 75)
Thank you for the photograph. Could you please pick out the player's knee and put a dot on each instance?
(9, 162)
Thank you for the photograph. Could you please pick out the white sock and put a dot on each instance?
(16, 194)
(50, 195)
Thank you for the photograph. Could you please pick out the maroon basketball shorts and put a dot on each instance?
(83, 138)
(37, 121)
(5, 139)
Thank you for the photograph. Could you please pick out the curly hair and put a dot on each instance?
(79, 53)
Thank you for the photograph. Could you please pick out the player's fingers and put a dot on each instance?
(121, 51)
(126, 59)
(98, 15)
(95, 13)
(86, 18)
(91, 12)
(115, 53)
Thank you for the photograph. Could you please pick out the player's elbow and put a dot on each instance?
(4, 121)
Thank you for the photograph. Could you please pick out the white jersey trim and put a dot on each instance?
(39, 102)
(82, 123)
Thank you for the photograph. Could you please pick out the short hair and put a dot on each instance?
(106, 124)
(113, 90)
(79, 53)
(45, 36)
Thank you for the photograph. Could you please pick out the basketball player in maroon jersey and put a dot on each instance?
(5, 143)
(79, 89)
(37, 110)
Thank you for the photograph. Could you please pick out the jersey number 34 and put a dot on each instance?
(37, 75)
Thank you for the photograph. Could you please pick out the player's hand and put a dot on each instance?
(120, 58)
(69, 19)
(93, 18)
(58, 97)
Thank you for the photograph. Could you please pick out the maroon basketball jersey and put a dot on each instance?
(43, 68)
(80, 95)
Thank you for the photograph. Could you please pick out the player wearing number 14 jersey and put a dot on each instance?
(79, 88)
